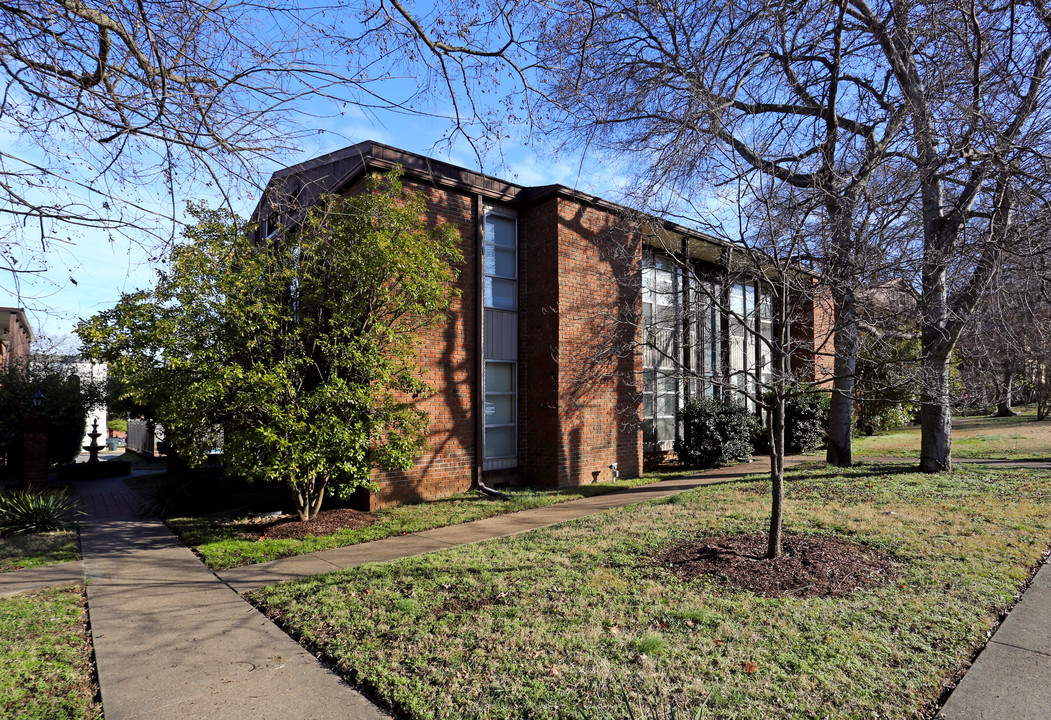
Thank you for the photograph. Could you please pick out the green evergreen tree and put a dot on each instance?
(301, 347)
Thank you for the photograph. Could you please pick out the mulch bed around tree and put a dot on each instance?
(325, 522)
(811, 566)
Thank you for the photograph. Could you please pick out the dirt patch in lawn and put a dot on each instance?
(811, 566)
(326, 522)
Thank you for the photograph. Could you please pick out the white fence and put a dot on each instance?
(141, 440)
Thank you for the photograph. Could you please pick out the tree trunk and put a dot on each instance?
(1043, 398)
(308, 499)
(841, 409)
(1003, 407)
(935, 415)
(776, 435)
(844, 276)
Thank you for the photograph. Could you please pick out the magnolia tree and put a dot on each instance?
(300, 349)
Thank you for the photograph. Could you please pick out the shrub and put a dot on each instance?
(26, 511)
(719, 432)
(169, 498)
(117, 425)
(806, 422)
(886, 393)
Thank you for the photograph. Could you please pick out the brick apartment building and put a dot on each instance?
(554, 364)
(15, 336)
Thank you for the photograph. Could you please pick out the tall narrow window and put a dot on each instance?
(742, 342)
(766, 339)
(501, 262)
(500, 339)
(662, 380)
(708, 337)
(500, 412)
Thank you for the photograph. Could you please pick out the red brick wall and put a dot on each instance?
(824, 337)
(578, 392)
(579, 369)
(447, 357)
(600, 366)
(813, 332)
(538, 324)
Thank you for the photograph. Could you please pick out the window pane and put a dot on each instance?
(499, 261)
(665, 428)
(667, 315)
(499, 293)
(666, 383)
(499, 409)
(665, 287)
(666, 406)
(737, 299)
(500, 230)
(649, 432)
(499, 377)
(500, 442)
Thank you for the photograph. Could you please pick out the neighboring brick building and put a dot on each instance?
(15, 336)
(541, 372)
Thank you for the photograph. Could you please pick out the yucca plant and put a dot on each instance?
(169, 498)
(28, 511)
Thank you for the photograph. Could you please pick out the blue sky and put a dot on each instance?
(90, 274)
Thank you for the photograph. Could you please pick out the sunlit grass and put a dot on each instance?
(45, 653)
(575, 621)
(1012, 438)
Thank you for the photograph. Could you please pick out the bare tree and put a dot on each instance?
(973, 78)
(715, 314)
(1003, 352)
(105, 98)
(708, 91)
(121, 110)
(826, 97)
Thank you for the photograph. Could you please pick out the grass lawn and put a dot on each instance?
(222, 543)
(576, 621)
(1012, 438)
(25, 551)
(45, 653)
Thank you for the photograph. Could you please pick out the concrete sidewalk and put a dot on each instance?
(172, 642)
(1012, 676)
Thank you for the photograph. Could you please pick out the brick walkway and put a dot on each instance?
(109, 499)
